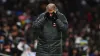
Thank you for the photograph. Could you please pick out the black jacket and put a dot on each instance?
(50, 37)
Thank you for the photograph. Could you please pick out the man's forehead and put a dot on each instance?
(50, 6)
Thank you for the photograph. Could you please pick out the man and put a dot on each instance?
(50, 26)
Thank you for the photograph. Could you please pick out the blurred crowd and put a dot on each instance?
(82, 36)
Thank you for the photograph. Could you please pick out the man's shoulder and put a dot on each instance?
(42, 14)
(59, 13)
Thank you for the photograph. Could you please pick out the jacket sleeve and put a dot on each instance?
(39, 21)
(62, 22)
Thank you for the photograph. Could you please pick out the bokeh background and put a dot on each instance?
(81, 39)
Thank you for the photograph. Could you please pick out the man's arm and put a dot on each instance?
(39, 21)
(62, 22)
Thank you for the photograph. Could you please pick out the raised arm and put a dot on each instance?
(62, 22)
(39, 21)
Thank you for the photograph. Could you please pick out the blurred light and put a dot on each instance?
(27, 21)
(97, 1)
(71, 14)
(4, 1)
(83, 2)
(9, 12)
(22, 18)
(32, 1)
(18, 23)
(19, 13)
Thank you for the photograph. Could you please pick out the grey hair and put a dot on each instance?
(51, 5)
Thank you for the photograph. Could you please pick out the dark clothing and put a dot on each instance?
(49, 36)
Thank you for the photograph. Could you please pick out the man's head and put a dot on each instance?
(51, 8)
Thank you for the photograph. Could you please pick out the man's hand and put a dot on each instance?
(54, 16)
(47, 15)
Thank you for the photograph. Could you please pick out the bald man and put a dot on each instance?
(50, 25)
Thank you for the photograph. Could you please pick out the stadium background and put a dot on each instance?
(82, 37)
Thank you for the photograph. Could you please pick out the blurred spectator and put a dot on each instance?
(8, 50)
(21, 46)
(75, 52)
(16, 30)
(1, 43)
(28, 52)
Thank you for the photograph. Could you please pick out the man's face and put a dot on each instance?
(51, 10)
